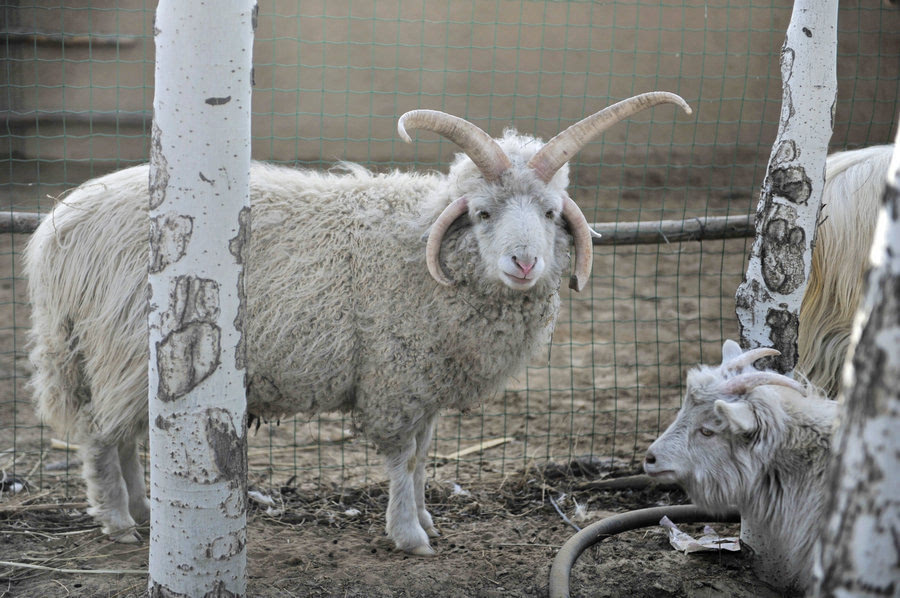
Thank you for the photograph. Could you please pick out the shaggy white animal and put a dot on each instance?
(341, 312)
(854, 185)
(758, 442)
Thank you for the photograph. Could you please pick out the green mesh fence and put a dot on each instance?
(332, 78)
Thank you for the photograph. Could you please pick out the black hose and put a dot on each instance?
(597, 532)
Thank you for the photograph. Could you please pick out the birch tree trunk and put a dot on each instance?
(768, 301)
(199, 223)
(860, 553)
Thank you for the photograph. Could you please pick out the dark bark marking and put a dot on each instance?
(219, 591)
(169, 237)
(157, 590)
(783, 332)
(238, 246)
(792, 184)
(162, 423)
(229, 449)
(807, 32)
(159, 177)
(787, 70)
(204, 179)
(227, 547)
(871, 365)
(785, 152)
(185, 358)
(194, 300)
(218, 101)
(191, 351)
(781, 255)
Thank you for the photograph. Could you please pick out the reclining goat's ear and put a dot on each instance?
(730, 351)
(738, 415)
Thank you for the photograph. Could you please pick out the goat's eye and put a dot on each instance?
(706, 431)
(550, 214)
(484, 215)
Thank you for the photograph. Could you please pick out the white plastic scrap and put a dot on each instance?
(581, 511)
(265, 500)
(259, 497)
(11, 484)
(459, 491)
(710, 540)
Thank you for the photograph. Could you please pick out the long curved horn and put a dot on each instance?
(740, 385)
(478, 145)
(565, 145)
(584, 247)
(748, 357)
(433, 247)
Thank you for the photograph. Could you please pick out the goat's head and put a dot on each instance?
(518, 200)
(727, 426)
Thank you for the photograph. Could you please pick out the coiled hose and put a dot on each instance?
(597, 532)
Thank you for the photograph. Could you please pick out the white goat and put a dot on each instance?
(340, 312)
(854, 184)
(758, 442)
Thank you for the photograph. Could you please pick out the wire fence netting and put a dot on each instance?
(331, 78)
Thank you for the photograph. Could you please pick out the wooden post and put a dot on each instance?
(199, 224)
(768, 301)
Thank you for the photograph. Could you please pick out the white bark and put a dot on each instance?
(768, 301)
(860, 553)
(199, 208)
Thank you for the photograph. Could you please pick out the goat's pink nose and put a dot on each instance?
(525, 268)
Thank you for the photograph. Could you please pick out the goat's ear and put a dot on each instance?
(730, 350)
(738, 414)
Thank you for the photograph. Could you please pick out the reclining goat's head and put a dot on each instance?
(726, 431)
(517, 203)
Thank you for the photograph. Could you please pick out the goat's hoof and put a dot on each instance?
(126, 536)
(141, 512)
(423, 550)
(433, 532)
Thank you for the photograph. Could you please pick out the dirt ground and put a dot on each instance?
(499, 538)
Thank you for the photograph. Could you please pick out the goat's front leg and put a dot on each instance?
(423, 442)
(403, 525)
(106, 490)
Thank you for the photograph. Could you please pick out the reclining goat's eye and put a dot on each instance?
(706, 431)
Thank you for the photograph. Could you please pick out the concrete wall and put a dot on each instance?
(332, 77)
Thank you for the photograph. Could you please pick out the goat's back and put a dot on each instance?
(855, 181)
(86, 266)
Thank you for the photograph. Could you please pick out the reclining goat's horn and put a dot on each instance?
(478, 145)
(744, 383)
(747, 358)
